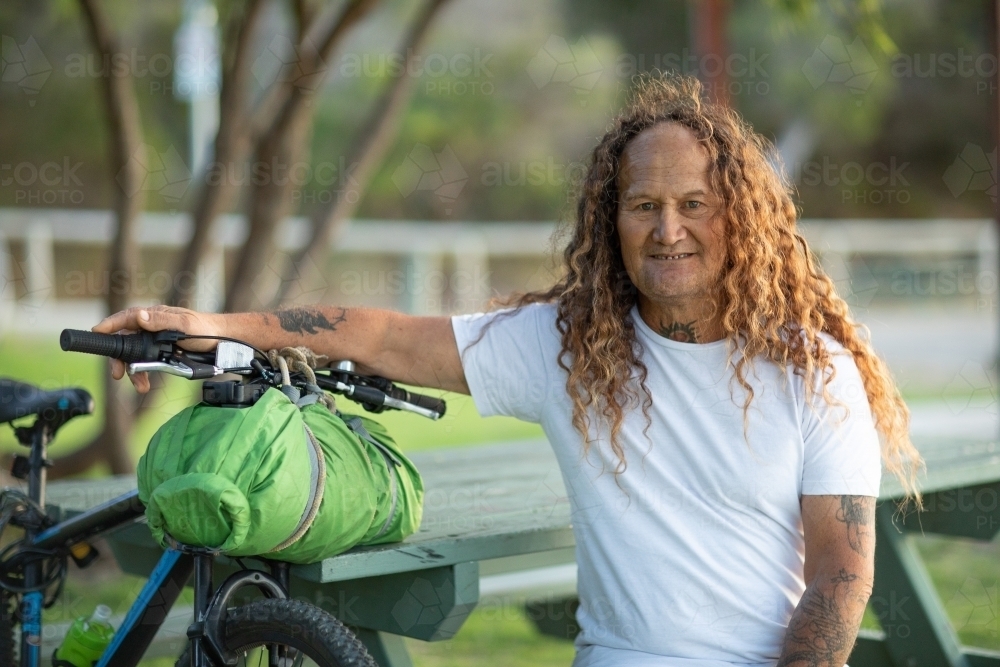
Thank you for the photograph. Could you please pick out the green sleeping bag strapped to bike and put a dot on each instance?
(293, 484)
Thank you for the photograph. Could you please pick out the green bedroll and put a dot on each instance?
(297, 484)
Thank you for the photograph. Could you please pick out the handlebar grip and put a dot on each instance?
(420, 400)
(126, 347)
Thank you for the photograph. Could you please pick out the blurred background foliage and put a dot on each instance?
(914, 112)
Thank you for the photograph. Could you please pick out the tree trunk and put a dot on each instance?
(126, 158)
(279, 147)
(270, 205)
(711, 46)
(365, 156)
(995, 122)
(232, 142)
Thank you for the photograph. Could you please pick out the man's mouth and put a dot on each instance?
(677, 255)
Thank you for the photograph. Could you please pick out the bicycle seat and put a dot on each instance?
(20, 399)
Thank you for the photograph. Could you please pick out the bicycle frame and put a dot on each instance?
(157, 596)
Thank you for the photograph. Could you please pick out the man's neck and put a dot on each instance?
(685, 322)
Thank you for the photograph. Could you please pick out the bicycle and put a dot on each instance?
(33, 568)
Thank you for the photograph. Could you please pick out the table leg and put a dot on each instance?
(388, 649)
(555, 617)
(917, 630)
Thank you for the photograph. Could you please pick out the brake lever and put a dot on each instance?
(178, 364)
(359, 392)
(403, 405)
(180, 370)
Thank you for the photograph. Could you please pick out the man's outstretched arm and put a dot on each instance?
(404, 348)
(839, 570)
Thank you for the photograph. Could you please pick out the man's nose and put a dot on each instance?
(669, 227)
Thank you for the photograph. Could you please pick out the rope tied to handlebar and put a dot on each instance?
(301, 360)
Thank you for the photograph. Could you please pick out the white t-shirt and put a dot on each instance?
(696, 560)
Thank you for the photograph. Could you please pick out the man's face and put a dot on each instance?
(668, 217)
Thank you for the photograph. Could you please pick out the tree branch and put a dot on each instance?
(232, 142)
(365, 156)
(283, 99)
(283, 144)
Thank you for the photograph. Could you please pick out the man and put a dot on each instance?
(714, 411)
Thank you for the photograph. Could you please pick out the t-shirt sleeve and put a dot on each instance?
(842, 451)
(508, 370)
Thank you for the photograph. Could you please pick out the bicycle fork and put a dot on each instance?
(207, 631)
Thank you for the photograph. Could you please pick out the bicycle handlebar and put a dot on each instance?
(156, 351)
(129, 348)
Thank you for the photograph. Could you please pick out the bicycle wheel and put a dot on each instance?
(314, 638)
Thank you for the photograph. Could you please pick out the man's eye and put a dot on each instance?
(646, 206)
(692, 204)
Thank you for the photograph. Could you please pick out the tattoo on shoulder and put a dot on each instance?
(680, 331)
(857, 513)
(308, 320)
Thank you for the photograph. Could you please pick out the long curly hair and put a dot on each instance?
(773, 295)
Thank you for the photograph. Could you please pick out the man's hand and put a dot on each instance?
(839, 570)
(160, 318)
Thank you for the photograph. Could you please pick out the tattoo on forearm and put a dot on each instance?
(681, 332)
(822, 632)
(308, 320)
(857, 513)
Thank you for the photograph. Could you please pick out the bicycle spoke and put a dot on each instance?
(293, 658)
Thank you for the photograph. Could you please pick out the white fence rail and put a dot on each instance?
(420, 247)
(30, 301)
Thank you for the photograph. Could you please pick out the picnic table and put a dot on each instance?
(488, 511)
(501, 509)
(962, 499)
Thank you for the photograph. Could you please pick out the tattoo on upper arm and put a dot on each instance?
(857, 513)
(308, 320)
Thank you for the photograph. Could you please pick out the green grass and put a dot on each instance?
(967, 580)
(493, 638)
